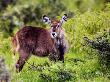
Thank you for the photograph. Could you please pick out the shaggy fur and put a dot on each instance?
(38, 41)
(31, 40)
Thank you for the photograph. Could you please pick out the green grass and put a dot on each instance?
(82, 63)
(78, 67)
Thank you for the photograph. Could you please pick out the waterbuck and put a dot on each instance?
(40, 41)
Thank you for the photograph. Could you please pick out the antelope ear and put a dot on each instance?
(64, 18)
(46, 19)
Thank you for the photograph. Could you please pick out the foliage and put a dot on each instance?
(88, 18)
(102, 44)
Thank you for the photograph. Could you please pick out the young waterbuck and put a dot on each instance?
(40, 42)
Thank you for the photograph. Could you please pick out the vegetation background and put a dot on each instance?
(83, 62)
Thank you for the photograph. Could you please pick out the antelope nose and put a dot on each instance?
(53, 34)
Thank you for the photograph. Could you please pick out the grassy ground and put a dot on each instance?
(77, 68)
(82, 63)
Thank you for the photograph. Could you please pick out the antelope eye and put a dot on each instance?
(58, 26)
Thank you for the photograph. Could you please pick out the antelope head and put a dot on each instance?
(56, 25)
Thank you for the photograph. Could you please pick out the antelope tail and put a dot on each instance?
(15, 44)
